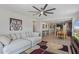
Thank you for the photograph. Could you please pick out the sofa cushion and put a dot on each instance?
(18, 35)
(16, 46)
(9, 36)
(34, 40)
(35, 34)
(23, 35)
(1, 48)
(13, 36)
(32, 34)
(4, 39)
(27, 34)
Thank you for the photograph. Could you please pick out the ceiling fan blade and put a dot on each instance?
(49, 12)
(36, 8)
(51, 9)
(39, 15)
(45, 6)
(35, 14)
(32, 11)
(44, 14)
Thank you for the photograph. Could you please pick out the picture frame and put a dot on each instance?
(15, 24)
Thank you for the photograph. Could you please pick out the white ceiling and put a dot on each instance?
(62, 10)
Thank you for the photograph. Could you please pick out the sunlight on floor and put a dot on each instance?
(54, 43)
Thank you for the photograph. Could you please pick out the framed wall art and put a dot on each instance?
(15, 24)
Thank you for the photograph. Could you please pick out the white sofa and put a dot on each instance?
(18, 42)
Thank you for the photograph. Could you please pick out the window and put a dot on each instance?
(76, 24)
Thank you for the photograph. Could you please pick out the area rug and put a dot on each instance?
(65, 48)
(43, 44)
(37, 51)
(41, 51)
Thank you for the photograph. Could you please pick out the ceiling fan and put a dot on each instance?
(42, 11)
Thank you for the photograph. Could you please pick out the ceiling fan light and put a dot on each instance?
(41, 12)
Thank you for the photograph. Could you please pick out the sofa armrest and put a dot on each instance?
(1, 48)
(40, 38)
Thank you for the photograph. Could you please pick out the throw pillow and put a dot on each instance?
(4, 39)
(13, 36)
(18, 36)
